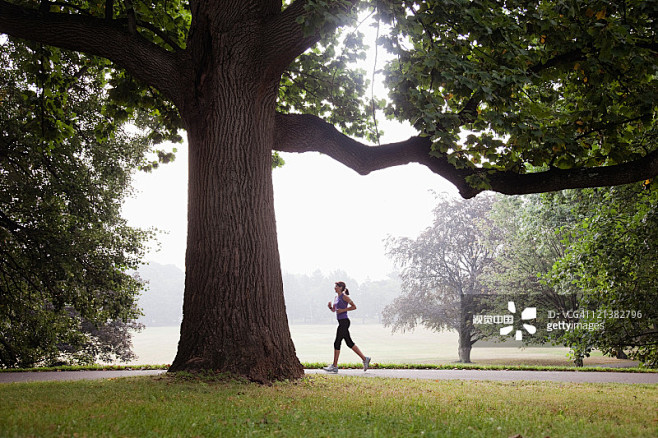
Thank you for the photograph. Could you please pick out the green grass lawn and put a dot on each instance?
(325, 406)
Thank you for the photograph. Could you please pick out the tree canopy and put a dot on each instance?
(544, 85)
(586, 256)
(609, 263)
(544, 89)
(547, 90)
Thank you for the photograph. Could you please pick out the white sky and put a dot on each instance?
(328, 216)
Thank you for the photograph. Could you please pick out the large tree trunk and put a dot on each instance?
(234, 316)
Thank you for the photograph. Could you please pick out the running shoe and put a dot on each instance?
(331, 369)
(366, 364)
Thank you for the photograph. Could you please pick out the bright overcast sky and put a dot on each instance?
(328, 216)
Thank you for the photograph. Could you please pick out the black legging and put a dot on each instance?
(343, 332)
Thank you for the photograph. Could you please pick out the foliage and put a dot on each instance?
(165, 24)
(590, 253)
(535, 229)
(65, 165)
(531, 242)
(612, 262)
(326, 81)
(546, 84)
(441, 268)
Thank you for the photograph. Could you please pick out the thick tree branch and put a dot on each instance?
(284, 37)
(304, 133)
(146, 61)
(510, 183)
(567, 58)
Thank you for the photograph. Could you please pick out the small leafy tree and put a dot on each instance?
(529, 244)
(66, 293)
(585, 255)
(441, 269)
(534, 232)
(612, 264)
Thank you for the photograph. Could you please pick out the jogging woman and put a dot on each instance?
(341, 305)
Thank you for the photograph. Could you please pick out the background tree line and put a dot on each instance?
(306, 296)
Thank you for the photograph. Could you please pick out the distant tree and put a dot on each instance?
(306, 297)
(442, 269)
(529, 245)
(568, 87)
(375, 295)
(66, 292)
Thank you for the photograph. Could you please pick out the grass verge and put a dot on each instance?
(466, 366)
(314, 365)
(317, 406)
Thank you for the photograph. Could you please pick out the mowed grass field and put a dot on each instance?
(212, 405)
(314, 343)
(325, 406)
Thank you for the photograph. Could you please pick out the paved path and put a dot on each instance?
(551, 376)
